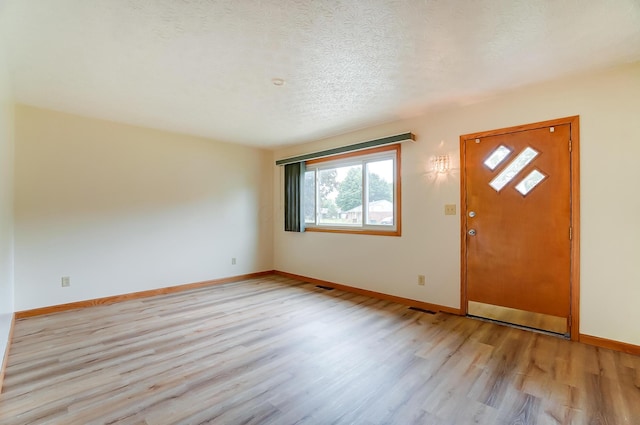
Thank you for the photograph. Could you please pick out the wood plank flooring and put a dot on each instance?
(278, 351)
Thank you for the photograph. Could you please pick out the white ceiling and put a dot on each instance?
(205, 67)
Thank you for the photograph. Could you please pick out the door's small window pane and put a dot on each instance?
(529, 182)
(497, 156)
(512, 170)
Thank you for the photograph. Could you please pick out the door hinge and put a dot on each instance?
(569, 145)
(570, 233)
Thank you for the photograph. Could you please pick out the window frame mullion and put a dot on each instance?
(365, 194)
(316, 188)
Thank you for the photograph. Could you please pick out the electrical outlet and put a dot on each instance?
(450, 209)
(421, 280)
(65, 281)
(233, 261)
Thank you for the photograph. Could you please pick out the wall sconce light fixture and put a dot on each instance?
(440, 163)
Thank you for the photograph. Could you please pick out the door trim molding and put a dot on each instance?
(574, 122)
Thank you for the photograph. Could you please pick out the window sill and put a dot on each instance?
(396, 232)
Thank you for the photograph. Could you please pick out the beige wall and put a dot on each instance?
(121, 209)
(609, 107)
(6, 204)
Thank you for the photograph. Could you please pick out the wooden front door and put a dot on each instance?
(517, 222)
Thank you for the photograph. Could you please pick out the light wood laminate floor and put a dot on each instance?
(278, 351)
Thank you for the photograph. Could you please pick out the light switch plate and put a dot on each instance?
(450, 209)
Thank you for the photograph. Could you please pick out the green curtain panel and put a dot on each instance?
(293, 184)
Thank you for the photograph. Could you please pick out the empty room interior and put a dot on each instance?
(319, 212)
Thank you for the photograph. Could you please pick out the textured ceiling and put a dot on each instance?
(205, 67)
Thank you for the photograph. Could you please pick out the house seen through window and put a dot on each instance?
(354, 192)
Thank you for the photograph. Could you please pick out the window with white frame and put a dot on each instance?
(357, 192)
